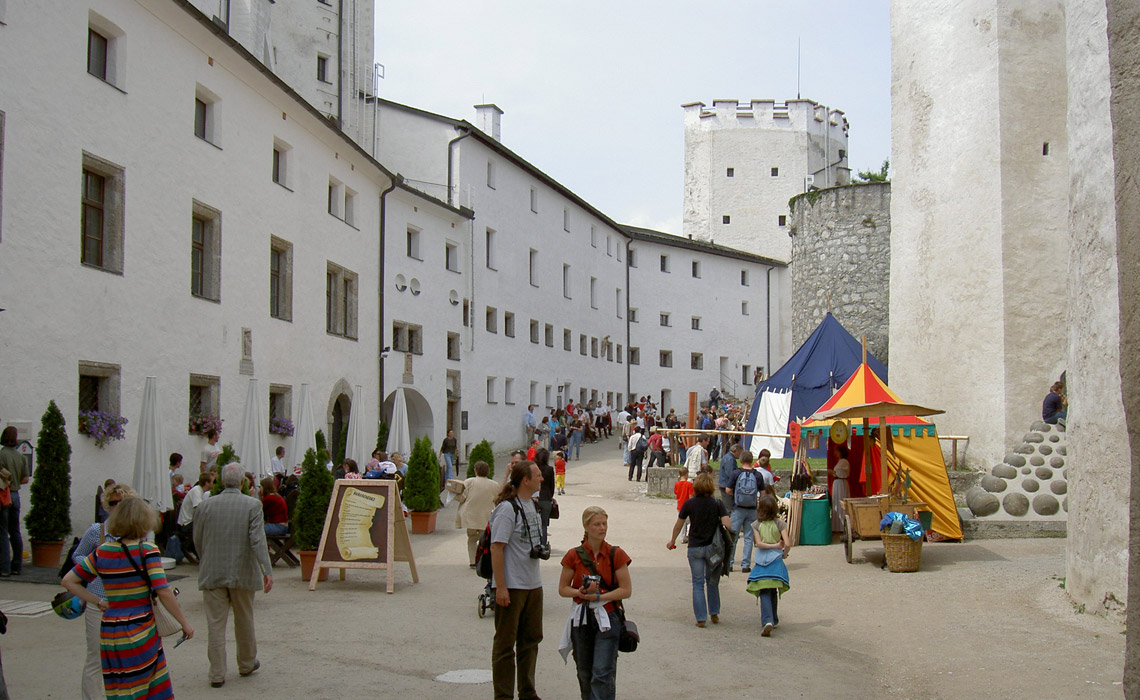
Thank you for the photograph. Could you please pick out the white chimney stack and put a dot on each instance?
(489, 120)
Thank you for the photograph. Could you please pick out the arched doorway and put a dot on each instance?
(421, 420)
(340, 405)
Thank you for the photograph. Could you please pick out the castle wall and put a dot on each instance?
(841, 247)
(978, 256)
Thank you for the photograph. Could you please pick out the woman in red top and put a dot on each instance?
(595, 649)
(274, 508)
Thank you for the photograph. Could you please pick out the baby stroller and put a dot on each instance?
(486, 599)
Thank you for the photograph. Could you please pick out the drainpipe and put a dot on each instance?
(452, 142)
(768, 320)
(339, 66)
(628, 291)
(380, 292)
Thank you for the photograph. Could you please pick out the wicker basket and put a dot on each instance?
(902, 553)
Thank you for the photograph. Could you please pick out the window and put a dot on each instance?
(415, 339)
(609, 245)
(408, 337)
(744, 308)
(593, 292)
(281, 157)
(726, 219)
(206, 252)
(340, 301)
(205, 395)
(696, 323)
(534, 331)
(618, 301)
(783, 220)
(413, 242)
(508, 390)
(508, 324)
(534, 200)
(664, 319)
(664, 263)
(532, 267)
(490, 239)
(746, 374)
(775, 172)
(492, 320)
(666, 358)
(730, 172)
(97, 46)
(634, 356)
(101, 218)
(99, 387)
(633, 315)
(451, 256)
(566, 280)
(549, 396)
(632, 257)
(336, 197)
(608, 349)
(350, 206)
(593, 347)
(696, 360)
(453, 346)
(567, 339)
(490, 174)
(533, 393)
(566, 219)
(548, 334)
(323, 68)
(280, 402)
(105, 49)
(697, 269)
(619, 355)
(207, 110)
(582, 344)
(491, 390)
(593, 236)
(744, 278)
(466, 313)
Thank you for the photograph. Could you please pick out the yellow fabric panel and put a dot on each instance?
(929, 481)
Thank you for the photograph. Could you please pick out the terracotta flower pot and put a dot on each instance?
(308, 557)
(423, 523)
(46, 553)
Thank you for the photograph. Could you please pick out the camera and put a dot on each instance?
(590, 579)
(540, 551)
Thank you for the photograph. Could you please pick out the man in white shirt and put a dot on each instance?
(194, 496)
(277, 462)
(697, 457)
(210, 452)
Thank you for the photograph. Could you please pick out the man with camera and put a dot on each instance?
(516, 549)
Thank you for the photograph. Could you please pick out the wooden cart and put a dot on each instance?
(863, 516)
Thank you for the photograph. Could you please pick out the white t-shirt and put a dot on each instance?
(210, 455)
(193, 497)
(276, 465)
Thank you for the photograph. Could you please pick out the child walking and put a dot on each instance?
(683, 490)
(560, 473)
(769, 577)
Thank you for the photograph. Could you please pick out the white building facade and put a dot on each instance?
(744, 161)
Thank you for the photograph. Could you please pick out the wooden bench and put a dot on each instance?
(281, 547)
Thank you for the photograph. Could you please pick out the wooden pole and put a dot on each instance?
(692, 415)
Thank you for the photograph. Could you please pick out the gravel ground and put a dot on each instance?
(983, 619)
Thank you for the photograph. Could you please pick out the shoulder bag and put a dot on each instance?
(628, 637)
(164, 623)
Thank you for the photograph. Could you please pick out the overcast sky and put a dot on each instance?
(592, 91)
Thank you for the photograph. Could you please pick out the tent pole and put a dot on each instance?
(867, 455)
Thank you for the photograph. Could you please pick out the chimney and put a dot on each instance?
(489, 119)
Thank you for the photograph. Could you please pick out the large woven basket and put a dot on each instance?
(902, 553)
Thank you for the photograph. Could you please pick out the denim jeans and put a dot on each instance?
(448, 467)
(742, 518)
(544, 508)
(277, 529)
(705, 582)
(769, 604)
(575, 450)
(12, 548)
(595, 656)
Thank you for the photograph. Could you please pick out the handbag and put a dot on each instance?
(554, 509)
(164, 622)
(628, 637)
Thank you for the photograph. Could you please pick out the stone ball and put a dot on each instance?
(1044, 473)
(1015, 504)
(1044, 504)
(982, 503)
(1026, 470)
(1033, 438)
(1065, 504)
(1065, 474)
(1056, 461)
(1024, 449)
(1040, 427)
(1037, 460)
(992, 484)
(1004, 471)
(1054, 438)
(1059, 487)
(1045, 449)
(1059, 428)
(1030, 485)
(1015, 460)
(1062, 450)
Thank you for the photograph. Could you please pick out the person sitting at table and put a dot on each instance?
(274, 508)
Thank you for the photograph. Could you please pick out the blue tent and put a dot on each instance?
(825, 361)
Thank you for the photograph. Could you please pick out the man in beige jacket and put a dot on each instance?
(476, 501)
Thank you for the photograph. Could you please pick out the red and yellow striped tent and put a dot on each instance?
(915, 442)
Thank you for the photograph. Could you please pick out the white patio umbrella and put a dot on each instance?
(356, 448)
(304, 429)
(152, 472)
(253, 440)
(399, 432)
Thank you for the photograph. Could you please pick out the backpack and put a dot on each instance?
(641, 446)
(483, 548)
(745, 492)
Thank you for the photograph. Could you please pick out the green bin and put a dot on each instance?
(815, 527)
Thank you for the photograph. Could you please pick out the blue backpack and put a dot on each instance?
(745, 492)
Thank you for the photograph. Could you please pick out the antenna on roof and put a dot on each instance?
(797, 68)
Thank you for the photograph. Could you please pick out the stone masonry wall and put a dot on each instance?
(841, 244)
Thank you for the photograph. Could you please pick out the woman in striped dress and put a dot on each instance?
(134, 665)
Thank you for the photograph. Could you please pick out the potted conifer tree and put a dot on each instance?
(49, 518)
(421, 487)
(481, 453)
(312, 506)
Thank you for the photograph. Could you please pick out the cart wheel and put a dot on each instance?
(482, 608)
(847, 537)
